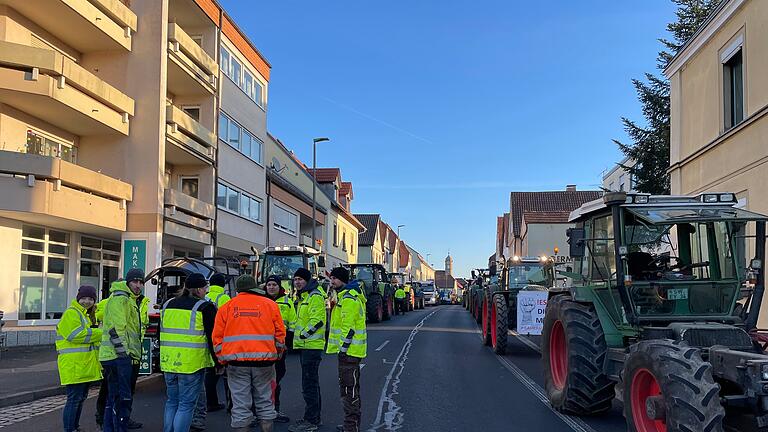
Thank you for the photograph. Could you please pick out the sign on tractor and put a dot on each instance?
(530, 312)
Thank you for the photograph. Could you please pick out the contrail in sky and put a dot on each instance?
(381, 122)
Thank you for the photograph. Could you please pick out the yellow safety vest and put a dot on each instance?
(183, 344)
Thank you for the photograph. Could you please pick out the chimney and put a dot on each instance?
(570, 188)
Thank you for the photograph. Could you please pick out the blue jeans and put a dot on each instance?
(76, 395)
(118, 373)
(183, 391)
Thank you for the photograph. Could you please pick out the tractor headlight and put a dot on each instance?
(764, 372)
(709, 198)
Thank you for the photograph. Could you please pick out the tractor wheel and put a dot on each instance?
(375, 309)
(499, 324)
(668, 387)
(387, 310)
(479, 308)
(573, 354)
(485, 324)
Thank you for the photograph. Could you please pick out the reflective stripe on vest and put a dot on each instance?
(183, 343)
(250, 356)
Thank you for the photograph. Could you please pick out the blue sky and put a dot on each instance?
(437, 110)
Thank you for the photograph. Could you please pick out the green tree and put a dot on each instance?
(649, 146)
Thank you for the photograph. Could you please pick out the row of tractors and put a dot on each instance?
(659, 311)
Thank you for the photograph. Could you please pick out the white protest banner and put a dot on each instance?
(530, 312)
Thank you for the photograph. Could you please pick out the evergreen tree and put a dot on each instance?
(650, 143)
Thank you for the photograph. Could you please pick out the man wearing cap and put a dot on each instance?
(77, 339)
(218, 296)
(135, 281)
(249, 338)
(186, 350)
(309, 338)
(276, 292)
(349, 340)
(121, 348)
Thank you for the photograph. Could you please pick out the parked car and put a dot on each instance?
(431, 295)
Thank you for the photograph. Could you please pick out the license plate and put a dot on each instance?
(677, 294)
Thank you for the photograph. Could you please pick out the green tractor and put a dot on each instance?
(283, 261)
(379, 292)
(500, 299)
(661, 314)
(481, 278)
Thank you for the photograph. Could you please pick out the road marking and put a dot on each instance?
(382, 345)
(392, 419)
(531, 344)
(575, 423)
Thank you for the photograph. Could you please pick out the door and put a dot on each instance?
(109, 274)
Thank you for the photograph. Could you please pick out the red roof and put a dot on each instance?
(546, 217)
(552, 201)
(346, 188)
(326, 175)
(405, 255)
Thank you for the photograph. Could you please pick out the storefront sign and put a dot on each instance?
(135, 255)
(145, 362)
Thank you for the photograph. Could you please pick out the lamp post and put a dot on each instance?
(314, 187)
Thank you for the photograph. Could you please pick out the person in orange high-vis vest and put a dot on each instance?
(249, 336)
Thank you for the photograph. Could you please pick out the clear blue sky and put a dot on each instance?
(437, 110)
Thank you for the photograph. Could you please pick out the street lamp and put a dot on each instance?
(314, 186)
(398, 230)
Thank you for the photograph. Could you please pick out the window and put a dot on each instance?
(258, 93)
(248, 83)
(225, 61)
(285, 220)
(335, 235)
(344, 240)
(239, 138)
(235, 201)
(230, 66)
(192, 111)
(44, 266)
(189, 186)
(42, 145)
(198, 39)
(99, 263)
(733, 89)
(621, 183)
(235, 71)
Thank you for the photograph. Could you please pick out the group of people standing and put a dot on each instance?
(205, 335)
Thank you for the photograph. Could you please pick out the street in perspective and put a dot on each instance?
(458, 216)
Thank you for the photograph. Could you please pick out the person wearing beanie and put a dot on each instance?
(185, 355)
(276, 292)
(309, 339)
(348, 339)
(218, 296)
(249, 337)
(77, 336)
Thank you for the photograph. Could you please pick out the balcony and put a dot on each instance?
(191, 71)
(85, 25)
(188, 217)
(54, 88)
(48, 190)
(192, 142)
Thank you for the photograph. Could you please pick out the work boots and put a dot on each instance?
(266, 425)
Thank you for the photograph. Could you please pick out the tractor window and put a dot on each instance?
(602, 250)
(282, 265)
(528, 274)
(364, 274)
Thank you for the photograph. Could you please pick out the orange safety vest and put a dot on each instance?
(249, 328)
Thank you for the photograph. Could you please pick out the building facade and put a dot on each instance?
(719, 107)
(112, 149)
(618, 178)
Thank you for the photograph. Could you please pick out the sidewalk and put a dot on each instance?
(28, 373)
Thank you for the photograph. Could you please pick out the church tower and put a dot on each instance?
(449, 264)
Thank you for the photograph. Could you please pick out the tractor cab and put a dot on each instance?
(377, 288)
(283, 261)
(519, 272)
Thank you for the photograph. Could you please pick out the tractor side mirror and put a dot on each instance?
(474, 274)
(321, 261)
(576, 242)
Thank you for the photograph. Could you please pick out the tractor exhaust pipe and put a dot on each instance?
(757, 297)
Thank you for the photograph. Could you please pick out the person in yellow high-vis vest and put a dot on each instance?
(348, 339)
(276, 292)
(186, 350)
(77, 345)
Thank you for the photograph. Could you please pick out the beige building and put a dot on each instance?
(719, 102)
(109, 114)
(618, 178)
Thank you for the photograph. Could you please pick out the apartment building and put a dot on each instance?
(289, 196)
(109, 143)
(719, 108)
(343, 228)
(618, 178)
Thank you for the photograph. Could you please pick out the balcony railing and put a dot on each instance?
(190, 57)
(188, 217)
(42, 72)
(185, 128)
(85, 25)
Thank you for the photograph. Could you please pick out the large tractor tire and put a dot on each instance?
(375, 309)
(388, 309)
(499, 324)
(573, 354)
(668, 387)
(485, 323)
(479, 308)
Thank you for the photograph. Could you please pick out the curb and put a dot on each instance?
(33, 395)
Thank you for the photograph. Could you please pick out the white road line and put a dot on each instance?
(392, 419)
(382, 345)
(575, 423)
(531, 344)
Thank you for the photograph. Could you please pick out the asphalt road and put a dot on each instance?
(425, 371)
